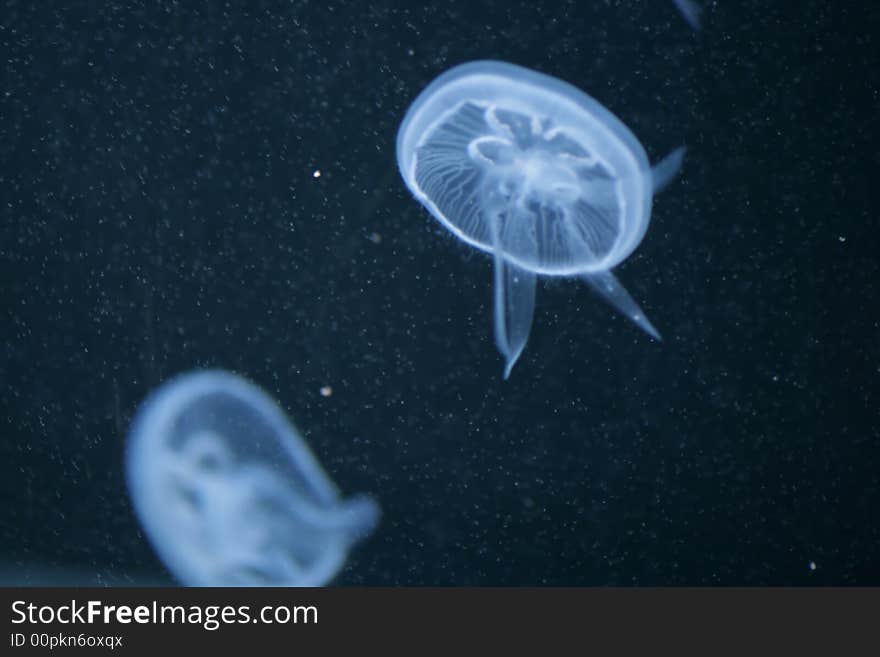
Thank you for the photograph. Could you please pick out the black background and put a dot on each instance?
(160, 214)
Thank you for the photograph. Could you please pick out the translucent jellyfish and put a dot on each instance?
(228, 492)
(535, 172)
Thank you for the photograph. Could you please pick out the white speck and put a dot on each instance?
(316, 173)
(326, 391)
(812, 565)
(841, 238)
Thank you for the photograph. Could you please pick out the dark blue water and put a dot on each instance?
(160, 213)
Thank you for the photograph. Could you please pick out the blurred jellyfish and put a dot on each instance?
(534, 171)
(228, 492)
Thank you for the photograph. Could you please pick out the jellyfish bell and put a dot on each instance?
(538, 174)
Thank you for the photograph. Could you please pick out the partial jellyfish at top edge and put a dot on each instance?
(691, 11)
(535, 172)
(229, 494)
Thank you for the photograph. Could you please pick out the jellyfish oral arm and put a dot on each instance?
(607, 285)
(691, 12)
(355, 518)
(514, 286)
(665, 171)
(514, 308)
